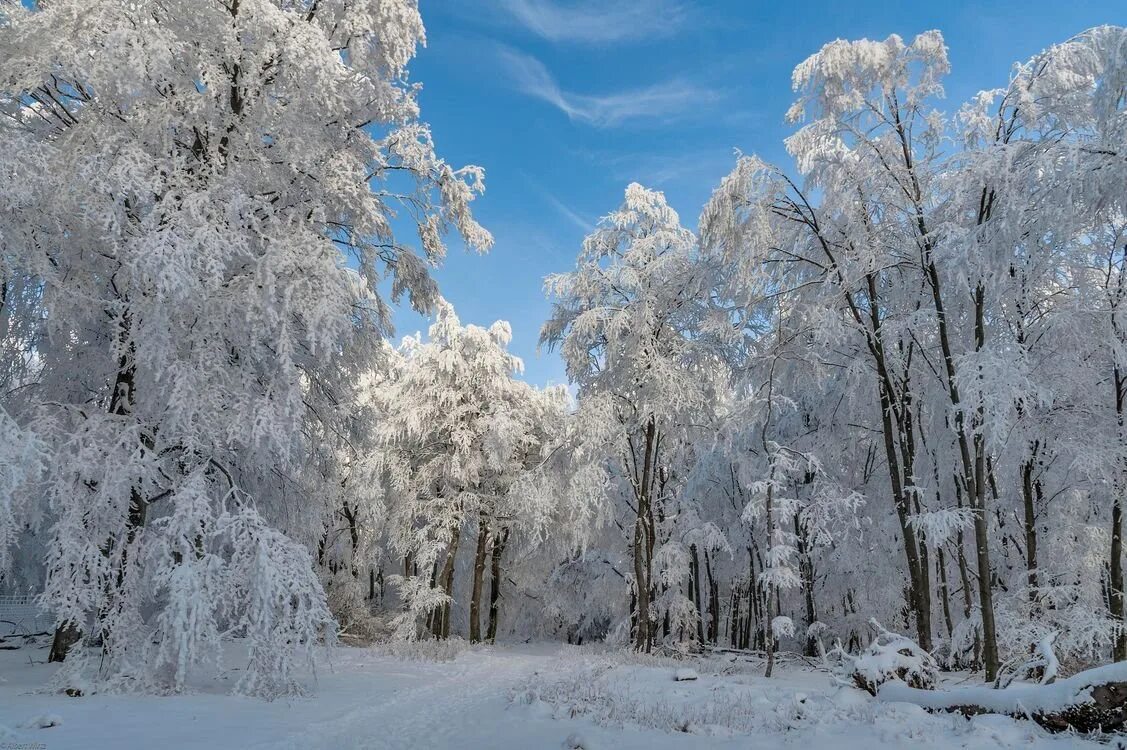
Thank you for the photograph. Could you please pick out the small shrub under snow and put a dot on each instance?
(43, 721)
(889, 656)
(429, 649)
(576, 741)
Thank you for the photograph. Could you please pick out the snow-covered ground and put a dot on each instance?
(540, 696)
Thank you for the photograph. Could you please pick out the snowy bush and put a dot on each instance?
(782, 627)
(889, 656)
(965, 643)
(1041, 664)
(429, 649)
(347, 599)
(225, 575)
(617, 690)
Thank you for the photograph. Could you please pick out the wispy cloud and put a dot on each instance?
(562, 208)
(696, 166)
(598, 21)
(671, 98)
(568, 213)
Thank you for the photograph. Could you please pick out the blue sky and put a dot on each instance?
(564, 102)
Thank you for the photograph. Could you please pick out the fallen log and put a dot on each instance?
(1091, 701)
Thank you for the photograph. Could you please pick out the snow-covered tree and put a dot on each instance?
(626, 322)
(930, 259)
(457, 440)
(185, 185)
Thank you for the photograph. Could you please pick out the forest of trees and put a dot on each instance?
(886, 380)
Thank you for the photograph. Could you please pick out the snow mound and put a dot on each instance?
(43, 721)
(797, 708)
(576, 741)
(890, 656)
(685, 674)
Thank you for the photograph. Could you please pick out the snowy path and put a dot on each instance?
(368, 700)
(448, 705)
(364, 701)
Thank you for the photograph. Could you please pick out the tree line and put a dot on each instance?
(887, 380)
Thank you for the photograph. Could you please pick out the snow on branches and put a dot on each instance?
(195, 181)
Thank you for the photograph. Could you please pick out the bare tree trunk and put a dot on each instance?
(442, 621)
(1119, 652)
(644, 542)
(807, 569)
(757, 606)
(434, 617)
(768, 630)
(734, 618)
(1120, 649)
(353, 535)
(641, 589)
(754, 605)
(907, 440)
(972, 453)
(694, 591)
(499, 542)
(944, 590)
(1028, 495)
(769, 637)
(892, 430)
(66, 635)
(981, 519)
(478, 579)
(713, 602)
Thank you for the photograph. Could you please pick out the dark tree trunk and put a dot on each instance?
(806, 566)
(1119, 652)
(1091, 701)
(442, 621)
(754, 614)
(644, 542)
(499, 542)
(768, 625)
(1120, 648)
(944, 590)
(694, 591)
(67, 634)
(734, 624)
(1029, 496)
(434, 617)
(713, 602)
(478, 580)
(753, 627)
(896, 428)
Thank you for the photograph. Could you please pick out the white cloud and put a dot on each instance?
(598, 21)
(667, 99)
(570, 214)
